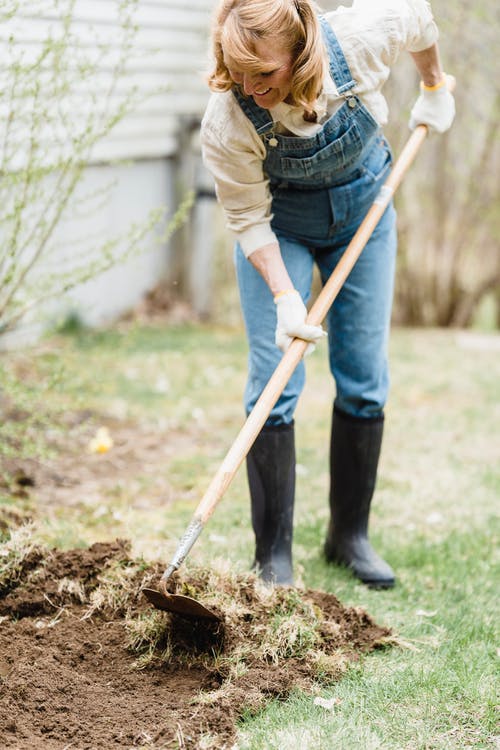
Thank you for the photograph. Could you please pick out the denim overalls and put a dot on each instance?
(322, 186)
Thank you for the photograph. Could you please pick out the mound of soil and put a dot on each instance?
(71, 676)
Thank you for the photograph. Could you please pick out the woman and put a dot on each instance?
(292, 135)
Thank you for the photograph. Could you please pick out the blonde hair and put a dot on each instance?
(238, 24)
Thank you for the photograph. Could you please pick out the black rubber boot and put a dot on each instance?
(271, 478)
(354, 455)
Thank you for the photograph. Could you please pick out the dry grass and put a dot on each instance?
(119, 588)
(148, 636)
(20, 550)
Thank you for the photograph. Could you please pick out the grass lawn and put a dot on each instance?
(171, 400)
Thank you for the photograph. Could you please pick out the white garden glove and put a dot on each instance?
(291, 316)
(435, 107)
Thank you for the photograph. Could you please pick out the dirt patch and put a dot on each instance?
(86, 663)
(161, 304)
(73, 472)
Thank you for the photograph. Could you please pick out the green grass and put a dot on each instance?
(435, 515)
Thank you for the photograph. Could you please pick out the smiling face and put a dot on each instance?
(269, 82)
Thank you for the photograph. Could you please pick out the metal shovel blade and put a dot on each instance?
(179, 604)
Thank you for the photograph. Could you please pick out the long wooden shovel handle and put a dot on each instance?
(294, 353)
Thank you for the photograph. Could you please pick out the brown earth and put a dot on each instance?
(70, 678)
(73, 472)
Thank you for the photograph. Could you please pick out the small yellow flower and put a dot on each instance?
(102, 442)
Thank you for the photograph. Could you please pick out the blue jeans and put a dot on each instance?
(358, 322)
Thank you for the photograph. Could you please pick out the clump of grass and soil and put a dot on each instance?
(86, 662)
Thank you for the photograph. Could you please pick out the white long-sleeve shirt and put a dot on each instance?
(371, 34)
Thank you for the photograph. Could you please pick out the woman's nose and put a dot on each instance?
(249, 82)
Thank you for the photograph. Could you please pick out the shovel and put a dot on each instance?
(185, 605)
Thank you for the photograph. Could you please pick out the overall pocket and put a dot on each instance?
(328, 161)
(351, 202)
(305, 215)
(377, 163)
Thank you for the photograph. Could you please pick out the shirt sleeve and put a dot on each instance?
(372, 34)
(397, 25)
(234, 156)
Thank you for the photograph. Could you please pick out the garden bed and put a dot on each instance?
(86, 663)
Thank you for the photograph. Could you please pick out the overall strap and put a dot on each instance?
(259, 117)
(339, 69)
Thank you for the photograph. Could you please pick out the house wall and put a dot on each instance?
(143, 155)
(139, 188)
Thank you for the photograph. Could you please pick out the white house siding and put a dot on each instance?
(164, 73)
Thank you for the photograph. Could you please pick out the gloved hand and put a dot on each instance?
(435, 107)
(291, 313)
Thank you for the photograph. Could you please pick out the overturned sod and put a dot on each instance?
(86, 662)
